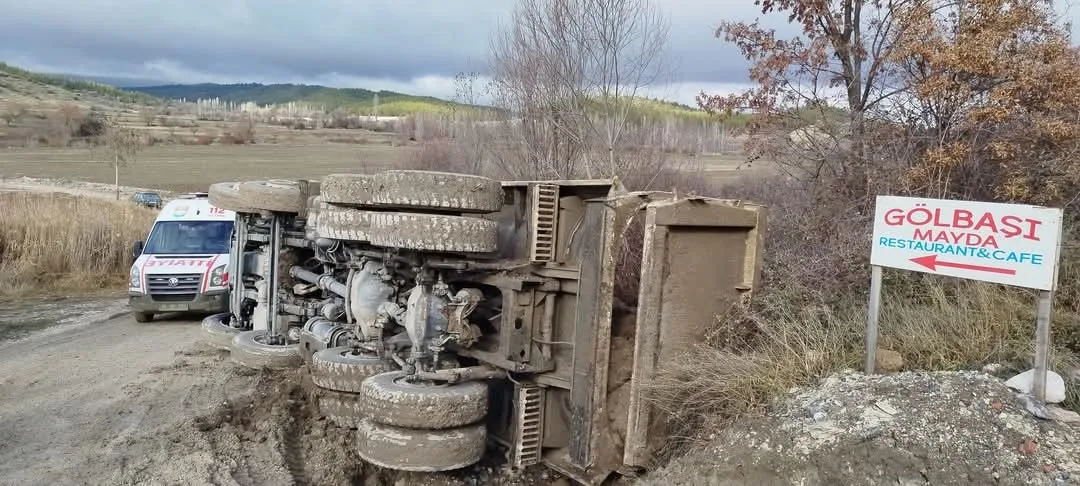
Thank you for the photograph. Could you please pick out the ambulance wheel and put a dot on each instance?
(144, 316)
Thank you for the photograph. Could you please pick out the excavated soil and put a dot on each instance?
(118, 402)
(962, 428)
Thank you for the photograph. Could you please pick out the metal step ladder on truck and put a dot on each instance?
(441, 315)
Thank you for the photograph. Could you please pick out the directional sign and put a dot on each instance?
(1011, 244)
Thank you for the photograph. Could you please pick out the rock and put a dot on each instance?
(1055, 385)
(1061, 415)
(887, 361)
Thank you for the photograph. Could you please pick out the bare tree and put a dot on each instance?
(626, 55)
(120, 146)
(560, 62)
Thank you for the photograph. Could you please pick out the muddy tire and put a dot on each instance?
(419, 189)
(433, 232)
(338, 369)
(249, 349)
(407, 449)
(415, 189)
(217, 333)
(390, 400)
(347, 189)
(143, 316)
(226, 195)
(343, 223)
(341, 409)
(280, 196)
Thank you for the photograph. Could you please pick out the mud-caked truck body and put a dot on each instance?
(440, 315)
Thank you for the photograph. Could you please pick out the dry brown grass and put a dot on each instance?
(748, 362)
(61, 243)
(809, 317)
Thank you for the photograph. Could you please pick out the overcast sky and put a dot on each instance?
(410, 46)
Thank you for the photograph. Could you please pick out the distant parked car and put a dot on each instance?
(148, 199)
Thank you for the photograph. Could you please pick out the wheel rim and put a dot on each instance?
(263, 339)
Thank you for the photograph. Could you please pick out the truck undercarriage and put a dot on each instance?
(440, 314)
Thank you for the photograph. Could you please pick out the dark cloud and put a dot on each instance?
(274, 39)
(398, 44)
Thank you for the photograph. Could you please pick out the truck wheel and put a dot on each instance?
(415, 189)
(342, 223)
(216, 333)
(433, 232)
(249, 348)
(226, 195)
(346, 189)
(391, 400)
(143, 316)
(420, 450)
(341, 409)
(274, 195)
(340, 369)
(420, 189)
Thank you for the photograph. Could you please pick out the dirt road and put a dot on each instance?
(88, 404)
(117, 402)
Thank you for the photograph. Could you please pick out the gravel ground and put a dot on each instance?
(961, 428)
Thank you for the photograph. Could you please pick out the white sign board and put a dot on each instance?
(1010, 244)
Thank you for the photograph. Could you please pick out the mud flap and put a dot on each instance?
(700, 257)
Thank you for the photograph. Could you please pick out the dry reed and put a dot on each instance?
(61, 243)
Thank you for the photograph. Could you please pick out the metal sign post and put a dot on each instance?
(1011, 244)
(874, 311)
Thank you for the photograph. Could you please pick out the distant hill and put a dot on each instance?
(354, 99)
(75, 86)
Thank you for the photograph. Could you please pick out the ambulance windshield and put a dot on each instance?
(189, 238)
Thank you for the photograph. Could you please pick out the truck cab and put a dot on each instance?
(182, 266)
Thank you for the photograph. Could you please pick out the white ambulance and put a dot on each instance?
(182, 265)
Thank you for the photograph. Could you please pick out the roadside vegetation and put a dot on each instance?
(53, 243)
(973, 102)
(979, 105)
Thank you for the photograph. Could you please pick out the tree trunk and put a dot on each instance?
(116, 175)
(611, 158)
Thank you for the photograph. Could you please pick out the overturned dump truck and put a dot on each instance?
(444, 315)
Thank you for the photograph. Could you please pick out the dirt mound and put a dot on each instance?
(912, 428)
(275, 434)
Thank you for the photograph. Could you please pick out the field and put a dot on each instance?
(194, 167)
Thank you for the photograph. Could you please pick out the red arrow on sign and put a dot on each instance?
(931, 262)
